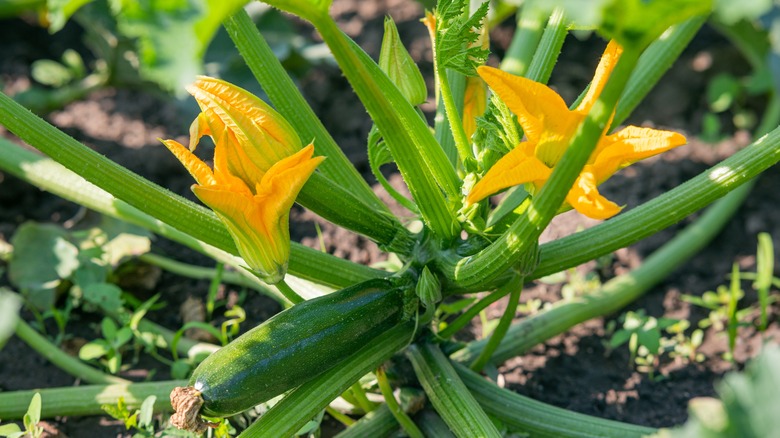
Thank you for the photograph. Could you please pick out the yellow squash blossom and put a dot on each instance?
(549, 127)
(258, 172)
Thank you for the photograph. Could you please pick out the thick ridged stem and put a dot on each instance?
(87, 400)
(61, 359)
(448, 395)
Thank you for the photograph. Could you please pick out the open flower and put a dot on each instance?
(258, 172)
(549, 127)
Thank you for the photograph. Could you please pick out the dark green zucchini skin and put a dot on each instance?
(296, 345)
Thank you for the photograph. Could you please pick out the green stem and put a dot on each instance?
(653, 63)
(216, 280)
(530, 26)
(249, 281)
(464, 318)
(379, 423)
(616, 293)
(447, 393)
(432, 425)
(549, 47)
(538, 419)
(46, 174)
(338, 416)
(462, 143)
(765, 263)
(62, 360)
(303, 403)
(406, 423)
(515, 285)
(289, 293)
(442, 131)
(87, 400)
(360, 398)
(291, 104)
(424, 166)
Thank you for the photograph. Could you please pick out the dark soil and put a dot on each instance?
(573, 370)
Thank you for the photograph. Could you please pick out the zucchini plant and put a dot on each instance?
(524, 140)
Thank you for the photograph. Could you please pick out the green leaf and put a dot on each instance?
(108, 328)
(650, 339)
(140, 312)
(51, 73)
(89, 273)
(117, 411)
(114, 362)
(722, 91)
(619, 338)
(58, 12)
(105, 295)
(180, 369)
(10, 429)
(123, 335)
(306, 9)
(131, 421)
(730, 12)
(630, 22)
(124, 240)
(172, 35)
(42, 257)
(747, 407)
(147, 411)
(94, 350)
(9, 314)
(456, 34)
(33, 411)
(72, 60)
(640, 22)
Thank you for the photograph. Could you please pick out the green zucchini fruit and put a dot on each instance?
(296, 345)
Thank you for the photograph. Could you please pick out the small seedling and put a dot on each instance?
(681, 346)
(643, 334)
(30, 421)
(724, 309)
(108, 349)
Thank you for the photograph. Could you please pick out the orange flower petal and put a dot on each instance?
(512, 169)
(607, 63)
(198, 129)
(537, 107)
(262, 241)
(474, 104)
(285, 179)
(630, 145)
(430, 22)
(252, 121)
(232, 166)
(197, 168)
(584, 197)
